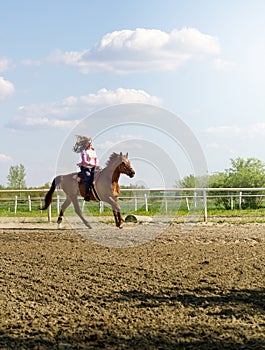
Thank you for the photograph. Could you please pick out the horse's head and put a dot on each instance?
(125, 165)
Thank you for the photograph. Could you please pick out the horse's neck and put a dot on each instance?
(110, 172)
(106, 182)
(116, 176)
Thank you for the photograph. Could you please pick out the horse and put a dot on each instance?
(105, 187)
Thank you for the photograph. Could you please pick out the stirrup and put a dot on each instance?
(87, 198)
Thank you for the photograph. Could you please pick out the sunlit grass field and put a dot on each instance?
(173, 208)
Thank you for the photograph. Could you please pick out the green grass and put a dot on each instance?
(155, 208)
(260, 212)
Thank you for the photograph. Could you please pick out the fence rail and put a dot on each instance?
(169, 200)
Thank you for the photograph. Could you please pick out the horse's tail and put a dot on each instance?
(48, 197)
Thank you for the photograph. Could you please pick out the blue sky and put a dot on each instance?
(60, 61)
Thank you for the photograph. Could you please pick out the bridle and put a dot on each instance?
(127, 169)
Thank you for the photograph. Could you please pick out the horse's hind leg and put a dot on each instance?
(78, 212)
(65, 204)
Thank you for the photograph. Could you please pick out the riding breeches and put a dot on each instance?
(88, 174)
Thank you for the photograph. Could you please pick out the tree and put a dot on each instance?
(16, 177)
(248, 173)
(192, 181)
(245, 173)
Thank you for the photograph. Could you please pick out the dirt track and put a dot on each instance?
(201, 289)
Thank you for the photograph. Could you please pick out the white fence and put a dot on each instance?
(194, 199)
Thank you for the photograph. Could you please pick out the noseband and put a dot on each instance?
(127, 169)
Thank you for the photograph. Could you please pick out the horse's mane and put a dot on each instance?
(113, 157)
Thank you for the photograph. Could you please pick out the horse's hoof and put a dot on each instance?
(87, 225)
(59, 225)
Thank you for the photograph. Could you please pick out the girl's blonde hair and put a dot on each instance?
(81, 143)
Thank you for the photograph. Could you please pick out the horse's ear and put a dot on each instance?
(120, 153)
(127, 155)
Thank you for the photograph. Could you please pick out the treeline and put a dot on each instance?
(243, 173)
(16, 179)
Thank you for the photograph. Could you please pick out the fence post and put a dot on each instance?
(166, 204)
(195, 201)
(101, 207)
(205, 205)
(50, 213)
(15, 205)
(146, 202)
(58, 204)
(240, 200)
(232, 203)
(135, 203)
(29, 201)
(187, 203)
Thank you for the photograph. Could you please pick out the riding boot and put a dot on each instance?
(87, 195)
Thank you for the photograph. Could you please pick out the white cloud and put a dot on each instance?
(31, 122)
(6, 88)
(24, 122)
(5, 64)
(224, 65)
(5, 158)
(213, 145)
(29, 62)
(119, 139)
(140, 50)
(258, 129)
(234, 131)
(67, 112)
(224, 130)
(120, 95)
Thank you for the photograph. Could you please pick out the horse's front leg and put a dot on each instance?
(113, 201)
(118, 218)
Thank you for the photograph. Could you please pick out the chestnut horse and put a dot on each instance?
(106, 187)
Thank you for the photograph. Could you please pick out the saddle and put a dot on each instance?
(80, 178)
(82, 187)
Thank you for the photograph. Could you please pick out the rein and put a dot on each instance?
(95, 193)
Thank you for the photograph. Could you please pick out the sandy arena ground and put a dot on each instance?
(202, 288)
